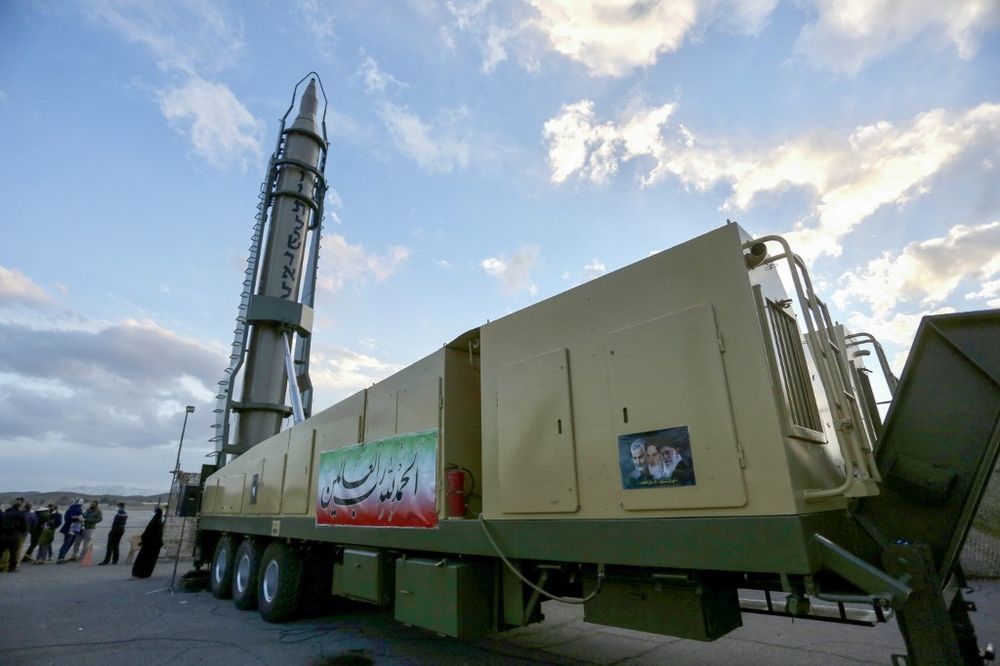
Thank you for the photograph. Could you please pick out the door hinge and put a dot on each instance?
(740, 455)
(722, 345)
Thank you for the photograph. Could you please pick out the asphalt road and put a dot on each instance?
(58, 614)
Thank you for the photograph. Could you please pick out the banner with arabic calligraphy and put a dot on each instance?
(386, 483)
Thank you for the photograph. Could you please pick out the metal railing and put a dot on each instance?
(832, 369)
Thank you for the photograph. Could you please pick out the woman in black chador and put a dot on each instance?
(152, 541)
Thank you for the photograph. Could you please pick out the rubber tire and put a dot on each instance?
(246, 566)
(280, 585)
(220, 579)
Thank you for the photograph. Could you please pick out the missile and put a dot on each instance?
(294, 188)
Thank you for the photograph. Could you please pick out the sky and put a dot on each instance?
(483, 156)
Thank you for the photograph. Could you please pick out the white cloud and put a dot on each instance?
(376, 80)
(187, 35)
(219, 127)
(878, 164)
(339, 372)
(319, 21)
(495, 47)
(16, 287)
(443, 144)
(103, 387)
(614, 37)
(492, 33)
(438, 148)
(990, 292)
(926, 271)
(191, 38)
(890, 295)
(332, 199)
(514, 270)
(595, 268)
(578, 143)
(345, 263)
(849, 33)
(896, 331)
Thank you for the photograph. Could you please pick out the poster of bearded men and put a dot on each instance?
(656, 459)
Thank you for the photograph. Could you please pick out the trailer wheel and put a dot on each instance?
(280, 584)
(221, 578)
(245, 570)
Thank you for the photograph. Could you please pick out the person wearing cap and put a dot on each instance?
(71, 527)
(91, 517)
(115, 535)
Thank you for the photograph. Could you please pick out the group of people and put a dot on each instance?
(19, 523)
(658, 465)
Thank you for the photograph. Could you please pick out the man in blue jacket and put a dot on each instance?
(71, 527)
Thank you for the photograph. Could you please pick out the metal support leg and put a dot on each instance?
(965, 633)
(924, 619)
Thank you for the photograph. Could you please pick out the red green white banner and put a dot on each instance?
(386, 483)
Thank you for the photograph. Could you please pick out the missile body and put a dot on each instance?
(274, 309)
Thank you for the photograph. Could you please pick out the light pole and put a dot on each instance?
(177, 470)
(177, 465)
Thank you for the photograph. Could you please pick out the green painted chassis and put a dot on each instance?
(771, 544)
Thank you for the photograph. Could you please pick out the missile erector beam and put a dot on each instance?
(279, 308)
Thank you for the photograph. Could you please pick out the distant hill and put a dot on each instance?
(63, 498)
(127, 491)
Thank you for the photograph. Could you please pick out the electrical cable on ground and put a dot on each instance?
(565, 600)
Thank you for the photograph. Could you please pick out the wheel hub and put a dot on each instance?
(270, 586)
(243, 574)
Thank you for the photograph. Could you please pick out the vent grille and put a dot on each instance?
(792, 367)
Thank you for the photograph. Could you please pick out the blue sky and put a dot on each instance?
(483, 156)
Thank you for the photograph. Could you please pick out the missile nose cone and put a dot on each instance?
(308, 110)
(309, 105)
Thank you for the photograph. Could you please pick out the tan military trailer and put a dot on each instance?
(670, 445)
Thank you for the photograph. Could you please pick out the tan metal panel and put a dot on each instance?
(210, 497)
(231, 493)
(380, 414)
(338, 434)
(668, 373)
(269, 495)
(418, 406)
(298, 471)
(536, 444)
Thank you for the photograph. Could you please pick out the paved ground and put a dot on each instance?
(99, 615)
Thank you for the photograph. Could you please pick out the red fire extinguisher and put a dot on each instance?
(455, 490)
